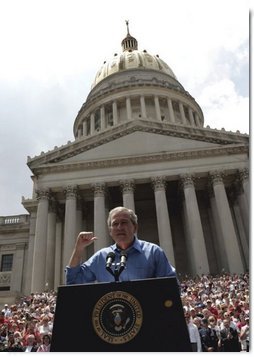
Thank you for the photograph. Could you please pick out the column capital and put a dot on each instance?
(159, 183)
(42, 194)
(127, 186)
(99, 189)
(243, 174)
(71, 192)
(187, 180)
(216, 177)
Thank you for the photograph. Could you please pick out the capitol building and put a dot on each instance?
(140, 142)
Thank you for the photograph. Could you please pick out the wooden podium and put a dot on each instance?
(132, 316)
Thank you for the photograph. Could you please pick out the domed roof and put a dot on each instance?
(131, 58)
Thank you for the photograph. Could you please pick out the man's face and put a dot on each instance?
(122, 229)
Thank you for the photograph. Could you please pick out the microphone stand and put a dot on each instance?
(118, 268)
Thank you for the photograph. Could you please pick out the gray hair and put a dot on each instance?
(133, 216)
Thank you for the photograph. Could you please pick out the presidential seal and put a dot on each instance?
(117, 317)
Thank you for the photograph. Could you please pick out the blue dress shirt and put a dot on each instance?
(144, 260)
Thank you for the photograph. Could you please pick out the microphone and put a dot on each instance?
(123, 259)
(109, 260)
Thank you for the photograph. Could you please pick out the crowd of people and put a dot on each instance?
(216, 310)
(27, 325)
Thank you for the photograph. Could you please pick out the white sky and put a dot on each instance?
(52, 49)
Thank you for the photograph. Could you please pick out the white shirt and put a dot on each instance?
(194, 335)
(28, 349)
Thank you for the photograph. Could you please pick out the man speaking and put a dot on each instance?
(131, 258)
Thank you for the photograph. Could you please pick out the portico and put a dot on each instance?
(181, 224)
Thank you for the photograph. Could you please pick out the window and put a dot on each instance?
(6, 262)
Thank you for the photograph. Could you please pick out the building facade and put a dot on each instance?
(139, 141)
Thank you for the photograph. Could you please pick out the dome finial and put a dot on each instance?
(129, 43)
(127, 24)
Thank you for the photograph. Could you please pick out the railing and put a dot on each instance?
(23, 218)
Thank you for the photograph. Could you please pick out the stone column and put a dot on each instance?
(85, 127)
(40, 243)
(128, 108)
(164, 229)
(157, 108)
(103, 120)
(84, 223)
(50, 256)
(92, 124)
(236, 213)
(58, 255)
(183, 118)
(115, 115)
(143, 107)
(127, 187)
(198, 123)
(244, 178)
(243, 205)
(196, 238)
(226, 222)
(171, 111)
(191, 117)
(17, 269)
(100, 225)
(79, 215)
(69, 224)
(30, 254)
(217, 232)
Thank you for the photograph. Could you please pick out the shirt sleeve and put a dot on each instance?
(80, 274)
(163, 267)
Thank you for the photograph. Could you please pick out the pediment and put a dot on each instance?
(138, 139)
(138, 144)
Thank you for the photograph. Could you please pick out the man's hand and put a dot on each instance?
(83, 240)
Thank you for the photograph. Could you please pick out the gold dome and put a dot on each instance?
(131, 58)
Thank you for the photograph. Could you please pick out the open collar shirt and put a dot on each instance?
(144, 260)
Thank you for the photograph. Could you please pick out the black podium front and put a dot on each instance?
(132, 316)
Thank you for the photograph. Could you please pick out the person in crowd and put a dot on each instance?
(7, 311)
(2, 318)
(45, 326)
(31, 329)
(31, 345)
(210, 306)
(209, 339)
(227, 316)
(145, 259)
(193, 333)
(212, 323)
(45, 346)
(229, 338)
(244, 334)
(197, 321)
(13, 344)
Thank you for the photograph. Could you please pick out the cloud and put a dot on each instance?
(224, 107)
